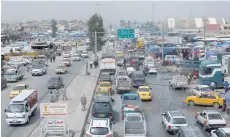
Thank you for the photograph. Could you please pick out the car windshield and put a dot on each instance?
(103, 94)
(101, 106)
(60, 67)
(130, 98)
(214, 116)
(76, 55)
(139, 76)
(104, 85)
(144, 89)
(15, 108)
(10, 72)
(37, 67)
(99, 130)
(19, 87)
(205, 89)
(179, 121)
(54, 79)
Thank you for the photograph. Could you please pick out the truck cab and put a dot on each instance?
(211, 73)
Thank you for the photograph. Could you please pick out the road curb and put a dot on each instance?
(88, 111)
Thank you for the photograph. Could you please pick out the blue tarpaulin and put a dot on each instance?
(223, 44)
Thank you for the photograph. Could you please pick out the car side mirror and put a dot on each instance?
(121, 97)
(151, 88)
(93, 100)
(163, 114)
(5, 110)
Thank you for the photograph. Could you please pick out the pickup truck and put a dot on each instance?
(123, 84)
(134, 125)
(131, 103)
(179, 81)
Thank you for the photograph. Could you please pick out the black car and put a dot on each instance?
(3, 82)
(55, 82)
(138, 78)
(102, 107)
(105, 77)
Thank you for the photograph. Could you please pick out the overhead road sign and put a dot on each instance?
(53, 109)
(125, 33)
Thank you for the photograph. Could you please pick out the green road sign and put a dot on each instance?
(125, 33)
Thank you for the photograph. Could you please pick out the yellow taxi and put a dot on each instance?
(216, 100)
(17, 89)
(120, 54)
(61, 69)
(104, 87)
(145, 92)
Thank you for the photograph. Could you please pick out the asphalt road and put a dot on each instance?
(164, 99)
(39, 83)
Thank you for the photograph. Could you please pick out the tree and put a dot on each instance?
(54, 28)
(95, 24)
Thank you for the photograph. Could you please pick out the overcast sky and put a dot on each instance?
(112, 12)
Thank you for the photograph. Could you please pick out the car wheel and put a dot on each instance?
(216, 105)
(191, 103)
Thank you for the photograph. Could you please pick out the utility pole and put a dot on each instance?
(204, 34)
(162, 44)
(95, 45)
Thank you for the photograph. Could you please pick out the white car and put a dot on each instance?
(66, 55)
(152, 69)
(200, 89)
(84, 54)
(39, 70)
(100, 127)
(210, 119)
(221, 132)
(130, 70)
(76, 57)
(172, 120)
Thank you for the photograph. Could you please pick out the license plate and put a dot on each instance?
(143, 94)
(101, 115)
(15, 121)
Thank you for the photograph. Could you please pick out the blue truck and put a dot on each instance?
(131, 103)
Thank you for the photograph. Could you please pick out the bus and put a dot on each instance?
(210, 73)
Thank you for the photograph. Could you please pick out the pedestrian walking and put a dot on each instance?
(83, 102)
(64, 97)
(54, 59)
(189, 79)
(91, 63)
(51, 59)
(52, 97)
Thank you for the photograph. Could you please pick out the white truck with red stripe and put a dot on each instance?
(22, 107)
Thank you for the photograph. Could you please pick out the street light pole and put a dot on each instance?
(204, 34)
(99, 8)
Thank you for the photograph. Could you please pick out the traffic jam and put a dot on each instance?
(23, 99)
(138, 95)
